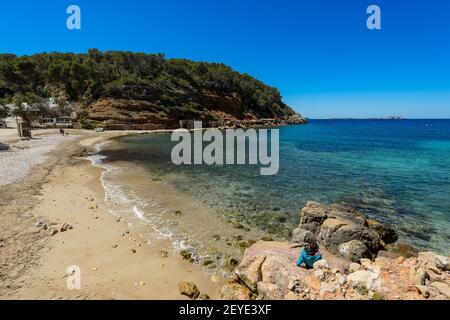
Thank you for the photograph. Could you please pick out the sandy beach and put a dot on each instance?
(61, 187)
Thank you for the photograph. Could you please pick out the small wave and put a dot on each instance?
(139, 213)
(126, 203)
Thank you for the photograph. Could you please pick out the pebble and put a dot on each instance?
(319, 274)
(163, 254)
(354, 267)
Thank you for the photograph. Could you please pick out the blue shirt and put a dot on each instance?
(307, 259)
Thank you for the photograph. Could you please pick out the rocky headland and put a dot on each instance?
(361, 260)
(118, 90)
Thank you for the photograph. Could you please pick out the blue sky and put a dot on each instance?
(319, 54)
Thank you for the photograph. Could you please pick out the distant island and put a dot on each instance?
(378, 118)
(139, 91)
(391, 118)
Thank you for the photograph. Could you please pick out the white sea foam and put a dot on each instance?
(126, 204)
(139, 213)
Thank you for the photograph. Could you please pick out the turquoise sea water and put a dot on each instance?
(397, 171)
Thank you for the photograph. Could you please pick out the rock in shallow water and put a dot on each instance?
(188, 289)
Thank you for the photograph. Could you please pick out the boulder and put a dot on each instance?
(423, 290)
(321, 264)
(302, 236)
(336, 231)
(270, 262)
(441, 262)
(328, 229)
(365, 278)
(371, 239)
(188, 289)
(270, 291)
(366, 263)
(249, 271)
(235, 291)
(387, 234)
(442, 287)
(354, 267)
(277, 270)
(312, 216)
(341, 279)
(326, 288)
(354, 250)
(337, 224)
(319, 274)
(346, 213)
(418, 276)
(297, 284)
(402, 249)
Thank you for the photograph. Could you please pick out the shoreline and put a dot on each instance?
(114, 262)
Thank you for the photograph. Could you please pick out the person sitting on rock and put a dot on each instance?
(309, 255)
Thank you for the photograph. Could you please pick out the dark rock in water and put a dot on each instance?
(266, 238)
(301, 236)
(244, 244)
(354, 250)
(186, 254)
(419, 234)
(208, 262)
(237, 225)
(178, 213)
(188, 289)
(231, 263)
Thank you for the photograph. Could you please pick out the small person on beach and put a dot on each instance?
(309, 255)
(61, 131)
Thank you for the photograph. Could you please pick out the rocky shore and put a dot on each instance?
(361, 260)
